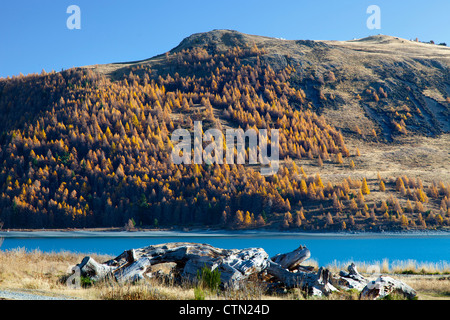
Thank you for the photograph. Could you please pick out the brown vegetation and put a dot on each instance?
(45, 274)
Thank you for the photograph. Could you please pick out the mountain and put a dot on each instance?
(382, 78)
(362, 129)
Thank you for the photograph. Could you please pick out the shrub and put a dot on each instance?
(86, 282)
(209, 278)
(199, 294)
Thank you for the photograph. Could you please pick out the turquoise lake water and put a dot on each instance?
(325, 249)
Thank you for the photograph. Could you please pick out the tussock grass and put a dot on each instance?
(394, 267)
(36, 270)
(46, 273)
(143, 290)
(429, 287)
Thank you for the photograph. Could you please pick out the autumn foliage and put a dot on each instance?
(79, 149)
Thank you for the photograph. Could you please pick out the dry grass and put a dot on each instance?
(395, 267)
(419, 157)
(144, 290)
(38, 271)
(429, 287)
(45, 273)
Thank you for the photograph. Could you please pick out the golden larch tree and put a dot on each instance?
(365, 188)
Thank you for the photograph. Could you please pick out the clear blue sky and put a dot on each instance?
(34, 35)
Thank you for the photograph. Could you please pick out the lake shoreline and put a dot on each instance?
(168, 233)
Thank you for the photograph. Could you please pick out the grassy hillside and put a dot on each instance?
(90, 147)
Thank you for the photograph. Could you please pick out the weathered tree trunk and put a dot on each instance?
(292, 260)
(134, 272)
(94, 270)
(315, 283)
(234, 265)
(291, 279)
(352, 279)
(384, 286)
(238, 265)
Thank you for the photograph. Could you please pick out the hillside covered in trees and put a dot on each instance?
(89, 148)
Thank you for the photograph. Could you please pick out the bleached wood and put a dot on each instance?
(94, 270)
(236, 266)
(352, 279)
(134, 272)
(384, 286)
(292, 260)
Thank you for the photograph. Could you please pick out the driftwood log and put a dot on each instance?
(384, 286)
(352, 279)
(292, 260)
(375, 289)
(236, 266)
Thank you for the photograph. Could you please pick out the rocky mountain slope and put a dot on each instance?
(382, 83)
(363, 137)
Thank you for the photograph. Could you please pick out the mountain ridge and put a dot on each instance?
(411, 71)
